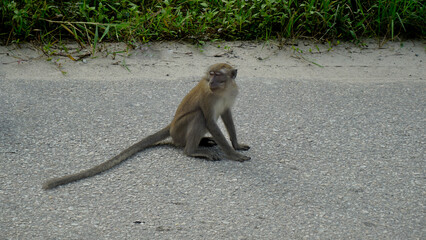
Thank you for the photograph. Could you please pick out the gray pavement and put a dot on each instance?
(330, 160)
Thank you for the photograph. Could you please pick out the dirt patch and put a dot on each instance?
(393, 61)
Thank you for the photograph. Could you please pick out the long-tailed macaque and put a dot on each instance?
(196, 115)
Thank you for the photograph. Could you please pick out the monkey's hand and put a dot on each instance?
(242, 147)
(238, 157)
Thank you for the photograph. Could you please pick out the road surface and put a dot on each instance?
(337, 144)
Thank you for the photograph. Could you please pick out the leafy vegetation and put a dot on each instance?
(148, 20)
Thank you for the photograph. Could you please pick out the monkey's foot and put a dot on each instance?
(242, 147)
(205, 154)
(239, 157)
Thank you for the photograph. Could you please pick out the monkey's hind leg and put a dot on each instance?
(194, 137)
(192, 150)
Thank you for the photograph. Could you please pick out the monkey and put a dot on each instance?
(197, 114)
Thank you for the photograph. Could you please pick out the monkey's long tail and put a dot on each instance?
(144, 143)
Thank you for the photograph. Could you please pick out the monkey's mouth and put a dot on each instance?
(214, 88)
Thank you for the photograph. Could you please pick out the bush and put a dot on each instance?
(135, 20)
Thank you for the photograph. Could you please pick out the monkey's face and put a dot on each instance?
(218, 80)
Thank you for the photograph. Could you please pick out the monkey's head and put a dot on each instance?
(220, 75)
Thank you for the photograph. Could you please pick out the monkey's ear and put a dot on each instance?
(234, 73)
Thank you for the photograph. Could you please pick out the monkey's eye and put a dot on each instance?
(215, 73)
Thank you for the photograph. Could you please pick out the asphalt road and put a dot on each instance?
(330, 160)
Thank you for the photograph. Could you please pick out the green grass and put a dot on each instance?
(93, 21)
